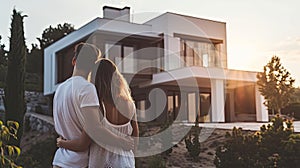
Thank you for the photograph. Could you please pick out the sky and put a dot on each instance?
(256, 29)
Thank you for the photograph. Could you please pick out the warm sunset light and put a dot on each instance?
(256, 29)
(149, 83)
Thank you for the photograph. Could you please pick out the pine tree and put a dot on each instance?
(15, 106)
(276, 85)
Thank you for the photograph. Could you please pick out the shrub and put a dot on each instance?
(157, 161)
(275, 145)
(40, 155)
(167, 138)
(154, 161)
(8, 152)
(192, 141)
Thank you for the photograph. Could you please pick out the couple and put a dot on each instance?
(94, 122)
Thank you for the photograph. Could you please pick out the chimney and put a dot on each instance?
(116, 13)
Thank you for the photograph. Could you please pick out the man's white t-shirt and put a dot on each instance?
(73, 94)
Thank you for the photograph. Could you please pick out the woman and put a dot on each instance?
(119, 116)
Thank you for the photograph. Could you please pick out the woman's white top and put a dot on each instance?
(111, 156)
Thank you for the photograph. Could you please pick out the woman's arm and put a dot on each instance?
(77, 145)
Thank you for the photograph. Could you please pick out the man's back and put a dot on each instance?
(70, 96)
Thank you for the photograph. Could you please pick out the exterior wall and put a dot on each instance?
(170, 23)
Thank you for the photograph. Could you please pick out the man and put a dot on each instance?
(75, 110)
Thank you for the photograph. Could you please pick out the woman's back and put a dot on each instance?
(119, 114)
(117, 122)
(118, 118)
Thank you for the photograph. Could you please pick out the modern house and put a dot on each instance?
(176, 66)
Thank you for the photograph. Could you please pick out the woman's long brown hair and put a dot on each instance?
(110, 83)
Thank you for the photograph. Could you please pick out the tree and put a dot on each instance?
(15, 106)
(296, 96)
(192, 142)
(3, 54)
(3, 63)
(276, 85)
(49, 36)
(34, 59)
(52, 34)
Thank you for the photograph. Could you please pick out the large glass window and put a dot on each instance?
(189, 56)
(122, 56)
(173, 106)
(245, 100)
(205, 107)
(196, 53)
(64, 67)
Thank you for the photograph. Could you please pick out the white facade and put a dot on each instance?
(184, 56)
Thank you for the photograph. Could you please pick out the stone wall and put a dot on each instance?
(36, 102)
(38, 122)
(38, 116)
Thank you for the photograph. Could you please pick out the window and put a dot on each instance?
(205, 105)
(64, 67)
(196, 53)
(117, 53)
(113, 52)
(173, 105)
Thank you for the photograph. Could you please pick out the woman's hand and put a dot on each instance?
(80, 144)
(59, 142)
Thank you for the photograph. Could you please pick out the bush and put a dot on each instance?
(157, 161)
(168, 138)
(192, 141)
(40, 155)
(8, 152)
(274, 145)
(154, 161)
(292, 110)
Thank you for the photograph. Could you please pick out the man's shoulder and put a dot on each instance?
(83, 85)
(78, 82)
(65, 82)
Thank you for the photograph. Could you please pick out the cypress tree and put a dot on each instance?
(15, 106)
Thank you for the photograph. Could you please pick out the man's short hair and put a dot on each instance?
(86, 55)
